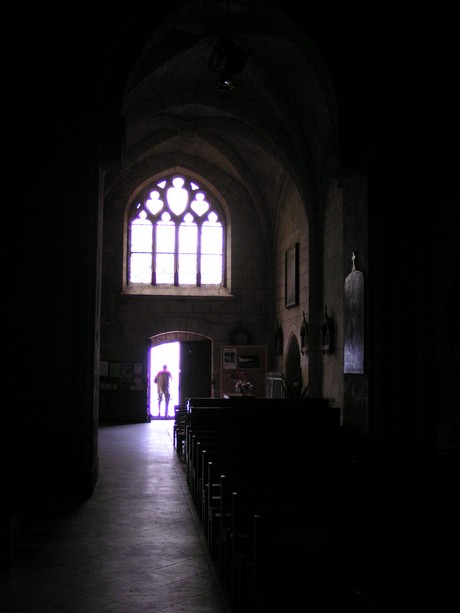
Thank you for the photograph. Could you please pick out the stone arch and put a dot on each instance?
(293, 370)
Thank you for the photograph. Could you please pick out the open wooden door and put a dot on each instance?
(195, 370)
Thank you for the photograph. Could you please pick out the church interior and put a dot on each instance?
(323, 139)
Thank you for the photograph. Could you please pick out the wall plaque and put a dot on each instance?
(353, 348)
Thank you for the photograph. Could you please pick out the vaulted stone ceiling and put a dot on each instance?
(278, 120)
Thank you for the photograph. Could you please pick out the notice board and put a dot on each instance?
(246, 363)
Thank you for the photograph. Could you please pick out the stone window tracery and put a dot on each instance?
(175, 236)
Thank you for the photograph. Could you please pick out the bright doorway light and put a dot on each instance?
(169, 354)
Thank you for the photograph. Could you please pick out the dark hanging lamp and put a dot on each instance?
(227, 59)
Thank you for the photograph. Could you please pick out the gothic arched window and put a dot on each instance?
(175, 236)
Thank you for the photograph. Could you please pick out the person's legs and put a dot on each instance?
(167, 397)
(160, 398)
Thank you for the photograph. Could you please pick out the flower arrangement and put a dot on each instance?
(243, 386)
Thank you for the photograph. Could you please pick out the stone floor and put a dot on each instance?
(136, 545)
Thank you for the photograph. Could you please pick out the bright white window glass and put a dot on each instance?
(177, 197)
(199, 205)
(165, 246)
(211, 250)
(154, 204)
(211, 237)
(188, 244)
(176, 208)
(165, 235)
(141, 250)
(165, 268)
(211, 266)
(141, 268)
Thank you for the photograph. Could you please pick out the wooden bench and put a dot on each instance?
(179, 429)
(243, 473)
(251, 430)
(271, 531)
(238, 495)
(316, 414)
(259, 428)
(193, 449)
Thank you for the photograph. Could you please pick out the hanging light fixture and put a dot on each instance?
(227, 59)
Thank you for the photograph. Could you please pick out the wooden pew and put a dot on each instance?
(226, 413)
(285, 534)
(251, 430)
(309, 429)
(195, 442)
(246, 467)
(179, 429)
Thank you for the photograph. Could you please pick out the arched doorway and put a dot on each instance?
(293, 386)
(189, 359)
(166, 354)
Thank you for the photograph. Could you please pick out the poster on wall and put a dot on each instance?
(229, 358)
(114, 370)
(248, 361)
(121, 376)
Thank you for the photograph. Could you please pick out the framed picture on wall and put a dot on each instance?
(292, 276)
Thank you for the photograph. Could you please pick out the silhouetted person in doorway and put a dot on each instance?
(162, 380)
